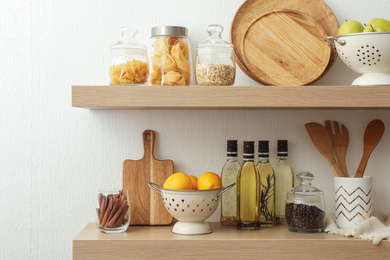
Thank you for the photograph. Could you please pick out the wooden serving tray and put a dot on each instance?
(252, 9)
(285, 47)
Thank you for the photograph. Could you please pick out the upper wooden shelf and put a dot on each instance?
(226, 242)
(231, 97)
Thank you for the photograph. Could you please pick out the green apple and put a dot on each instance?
(351, 27)
(380, 21)
(375, 28)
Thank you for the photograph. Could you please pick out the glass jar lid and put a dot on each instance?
(169, 31)
(304, 192)
(215, 42)
(128, 42)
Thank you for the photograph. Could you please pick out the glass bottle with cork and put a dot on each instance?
(284, 180)
(248, 191)
(229, 175)
(267, 187)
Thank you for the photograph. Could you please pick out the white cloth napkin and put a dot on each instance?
(375, 228)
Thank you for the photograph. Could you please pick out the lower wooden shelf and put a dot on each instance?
(226, 242)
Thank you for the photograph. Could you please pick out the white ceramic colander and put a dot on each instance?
(190, 207)
(367, 53)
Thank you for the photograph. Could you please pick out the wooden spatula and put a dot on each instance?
(372, 136)
(323, 142)
(340, 142)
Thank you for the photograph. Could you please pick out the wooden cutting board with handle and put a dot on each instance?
(146, 205)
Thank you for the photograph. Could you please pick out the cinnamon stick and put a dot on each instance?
(122, 198)
(119, 221)
(117, 214)
(102, 209)
(98, 213)
(100, 198)
(107, 213)
(115, 208)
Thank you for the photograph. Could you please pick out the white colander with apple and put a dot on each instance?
(365, 50)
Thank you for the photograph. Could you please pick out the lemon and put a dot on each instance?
(209, 181)
(178, 181)
(194, 182)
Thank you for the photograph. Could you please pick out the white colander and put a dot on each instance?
(367, 53)
(190, 207)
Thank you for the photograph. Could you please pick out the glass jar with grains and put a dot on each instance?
(170, 56)
(129, 60)
(215, 65)
(305, 206)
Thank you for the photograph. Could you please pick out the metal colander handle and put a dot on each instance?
(157, 188)
(225, 189)
(329, 38)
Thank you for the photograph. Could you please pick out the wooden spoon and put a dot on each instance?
(372, 136)
(340, 142)
(323, 142)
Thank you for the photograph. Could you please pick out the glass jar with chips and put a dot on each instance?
(170, 56)
(129, 60)
(215, 64)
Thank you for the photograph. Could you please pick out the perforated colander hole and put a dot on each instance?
(188, 206)
(368, 46)
(211, 209)
(193, 210)
(201, 210)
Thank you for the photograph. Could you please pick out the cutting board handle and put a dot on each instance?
(148, 139)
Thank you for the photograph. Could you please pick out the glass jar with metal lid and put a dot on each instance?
(129, 60)
(215, 64)
(305, 206)
(170, 57)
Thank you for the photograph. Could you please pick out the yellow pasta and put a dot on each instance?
(170, 62)
(131, 72)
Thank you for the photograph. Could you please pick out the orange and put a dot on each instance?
(178, 181)
(194, 182)
(209, 181)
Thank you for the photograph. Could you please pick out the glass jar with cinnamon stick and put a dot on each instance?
(112, 211)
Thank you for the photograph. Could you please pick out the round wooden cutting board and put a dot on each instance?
(285, 47)
(252, 9)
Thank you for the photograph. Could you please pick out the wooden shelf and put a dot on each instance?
(226, 242)
(231, 97)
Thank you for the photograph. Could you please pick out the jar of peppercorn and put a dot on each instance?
(305, 206)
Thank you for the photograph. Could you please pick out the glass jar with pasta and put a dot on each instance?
(170, 57)
(129, 60)
(215, 64)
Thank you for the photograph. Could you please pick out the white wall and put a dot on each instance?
(54, 157)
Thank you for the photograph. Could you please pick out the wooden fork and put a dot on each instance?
(340, 142)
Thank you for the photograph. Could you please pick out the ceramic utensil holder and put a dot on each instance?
(353, 200)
